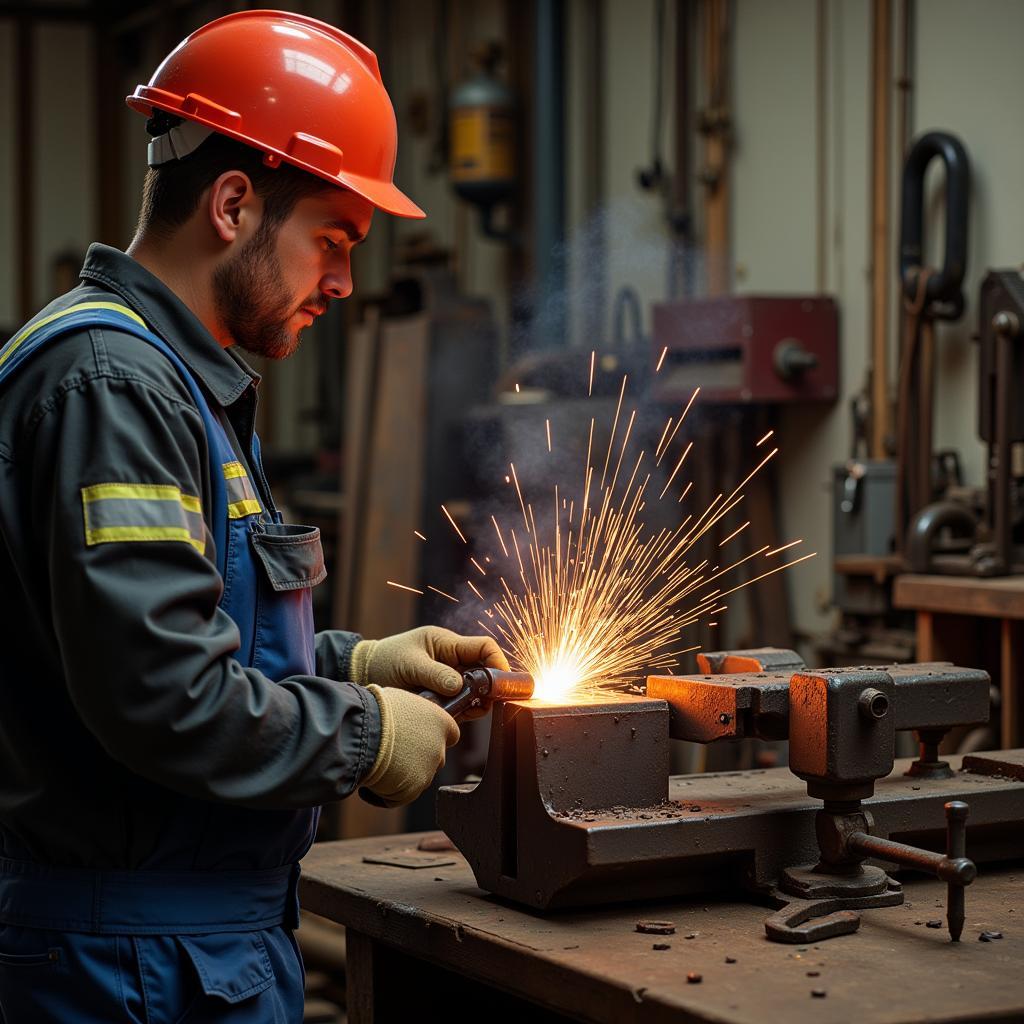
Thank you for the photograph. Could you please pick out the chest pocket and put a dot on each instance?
(290, 562)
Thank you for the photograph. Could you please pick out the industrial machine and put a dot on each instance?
(979, 533)
(741, 349)
(577, 807)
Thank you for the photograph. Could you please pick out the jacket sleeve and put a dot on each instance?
(148, 654)
(334, 649)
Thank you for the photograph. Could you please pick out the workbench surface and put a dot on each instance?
(593, 965)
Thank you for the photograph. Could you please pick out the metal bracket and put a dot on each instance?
(835, 915)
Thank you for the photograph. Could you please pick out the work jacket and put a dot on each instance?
(131, 736)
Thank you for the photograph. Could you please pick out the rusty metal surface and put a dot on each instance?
(710, 708)
(755, 659)
(594, 966)
(836, 747)
(1008, 764)
(715, 832)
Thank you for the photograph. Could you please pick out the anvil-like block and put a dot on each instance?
(571, 760)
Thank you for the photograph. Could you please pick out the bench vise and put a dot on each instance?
(577, 806)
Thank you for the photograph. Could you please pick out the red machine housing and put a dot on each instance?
(743, 349)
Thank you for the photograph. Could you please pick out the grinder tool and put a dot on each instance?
(481, 687)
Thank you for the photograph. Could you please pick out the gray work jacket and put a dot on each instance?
(119, 691)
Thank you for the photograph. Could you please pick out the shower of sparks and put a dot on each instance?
(593, 598)
(418, 534)
(661, 359)
(402, 586)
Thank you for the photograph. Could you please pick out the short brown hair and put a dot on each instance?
(171, 191)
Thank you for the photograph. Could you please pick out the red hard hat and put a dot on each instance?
(293, 87)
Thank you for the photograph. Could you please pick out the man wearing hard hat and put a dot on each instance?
(169, 723)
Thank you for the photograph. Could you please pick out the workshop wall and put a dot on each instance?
(966, 77)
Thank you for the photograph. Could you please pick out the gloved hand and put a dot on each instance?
(427, 658)
(413, 736)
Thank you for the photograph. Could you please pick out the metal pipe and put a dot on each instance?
(716, 129)
(880, 259)
(680, 280)
(821, 130)
(594, 309)
(549, 175)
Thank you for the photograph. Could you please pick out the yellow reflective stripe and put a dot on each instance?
(246, 507)
(115, 533)
(143, 492)
(141, 512)
(16, 342)
(240, 488)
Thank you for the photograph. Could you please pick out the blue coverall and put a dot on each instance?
(168, 721)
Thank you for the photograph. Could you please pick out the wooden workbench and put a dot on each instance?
(425, 944)
(943, 606)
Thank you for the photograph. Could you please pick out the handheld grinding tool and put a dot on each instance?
(481, 687)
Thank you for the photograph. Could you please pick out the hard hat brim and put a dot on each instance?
(384, 195)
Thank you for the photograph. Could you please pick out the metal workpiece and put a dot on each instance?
(711, 708)
(755, 659)
(551, 767)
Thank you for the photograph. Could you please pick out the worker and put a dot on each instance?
(169, 724)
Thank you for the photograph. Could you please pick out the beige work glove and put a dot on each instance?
(413, 736)
(428, 658)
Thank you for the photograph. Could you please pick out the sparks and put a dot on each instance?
(661, 359)
(765, 438)
(587, 596)
(455, 600)
(590, 386)
(455, 526)
(402, 586)
(418, 534)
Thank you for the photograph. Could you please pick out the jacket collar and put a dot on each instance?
(224, 374)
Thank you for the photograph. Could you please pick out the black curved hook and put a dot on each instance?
(944, 286)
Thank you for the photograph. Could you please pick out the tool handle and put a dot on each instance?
(482, 686)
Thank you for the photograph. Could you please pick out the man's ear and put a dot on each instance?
(233, 205)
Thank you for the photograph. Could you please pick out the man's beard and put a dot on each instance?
(252, 303)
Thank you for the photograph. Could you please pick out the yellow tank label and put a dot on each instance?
(482, 144)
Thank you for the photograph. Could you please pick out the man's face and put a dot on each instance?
(284, 276)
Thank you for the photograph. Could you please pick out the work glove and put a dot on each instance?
(413, 736)
(427, 658)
